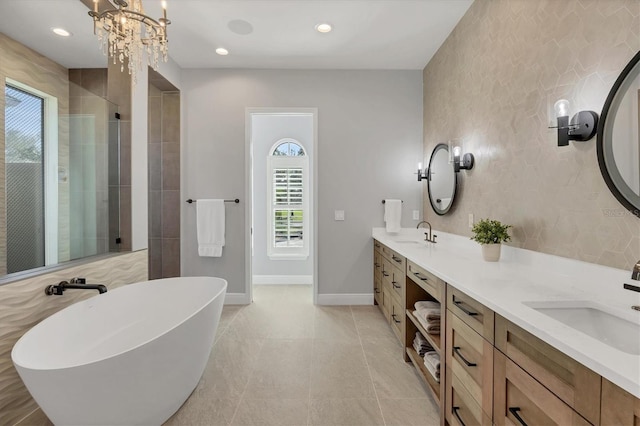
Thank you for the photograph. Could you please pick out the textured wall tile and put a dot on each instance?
(493, 84)
(23, 304)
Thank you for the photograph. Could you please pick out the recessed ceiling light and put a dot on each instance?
(61, 32)
(222, 51)
(323, 28)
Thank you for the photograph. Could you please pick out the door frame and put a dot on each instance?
(249, 113)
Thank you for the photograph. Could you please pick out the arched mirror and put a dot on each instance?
(619, 138)
(441, 181)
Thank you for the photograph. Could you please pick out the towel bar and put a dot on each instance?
(384, 201)
(237, 200)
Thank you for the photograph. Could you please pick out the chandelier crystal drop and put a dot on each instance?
(126, 33)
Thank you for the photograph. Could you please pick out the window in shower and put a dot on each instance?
(24, 179)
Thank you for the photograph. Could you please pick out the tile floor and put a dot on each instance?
(283, 361)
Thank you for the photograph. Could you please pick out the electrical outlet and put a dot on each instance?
(416, 215)
(470, 220)
(338, 214)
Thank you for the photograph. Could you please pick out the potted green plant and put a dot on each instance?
(490, 234)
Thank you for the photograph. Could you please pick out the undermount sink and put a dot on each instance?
(591, 319)
(407, 242)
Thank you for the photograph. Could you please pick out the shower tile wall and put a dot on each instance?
(164, 183)
(493, 84)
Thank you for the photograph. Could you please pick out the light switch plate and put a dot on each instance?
(416, 215)
(339, 214)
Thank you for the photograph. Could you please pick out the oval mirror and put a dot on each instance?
(441, 181)
(619, 138)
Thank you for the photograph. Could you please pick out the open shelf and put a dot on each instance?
(433, 339)
(429, 380)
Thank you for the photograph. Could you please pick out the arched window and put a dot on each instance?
(288, 201)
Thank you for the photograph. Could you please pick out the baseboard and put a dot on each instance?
(236, 299)
(282, 279)
(345, 299)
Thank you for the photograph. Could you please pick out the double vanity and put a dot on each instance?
(533, 339)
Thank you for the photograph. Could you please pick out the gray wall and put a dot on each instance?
(369, 143)
(266, 131)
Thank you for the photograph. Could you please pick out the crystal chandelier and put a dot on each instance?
(125, 33)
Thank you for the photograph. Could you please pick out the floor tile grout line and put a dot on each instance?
(364, 355)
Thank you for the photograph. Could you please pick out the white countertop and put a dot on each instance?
(528, 276)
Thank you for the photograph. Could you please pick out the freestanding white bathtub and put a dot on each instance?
(130, 356)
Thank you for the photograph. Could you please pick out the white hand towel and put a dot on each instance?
(393, 215)
(210, 227)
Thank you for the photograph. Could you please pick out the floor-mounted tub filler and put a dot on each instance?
(130, 356)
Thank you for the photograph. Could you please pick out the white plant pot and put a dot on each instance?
(491, 252)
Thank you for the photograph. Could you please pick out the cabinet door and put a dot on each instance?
(618, 406)
(397, 317)
(426, 280)
(470, 358)
(572, 382)
(520, 400)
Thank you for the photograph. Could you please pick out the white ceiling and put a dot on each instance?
(367, 34)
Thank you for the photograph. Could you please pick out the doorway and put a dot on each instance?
(281, 146)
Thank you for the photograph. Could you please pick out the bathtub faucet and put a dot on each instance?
(78, 283)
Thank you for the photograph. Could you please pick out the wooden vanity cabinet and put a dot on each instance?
(469, 360)
(388, 287)
(573, 383)
(619, 407)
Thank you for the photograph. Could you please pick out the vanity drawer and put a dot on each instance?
(397, 317)
(425, 279)
(394, 277)
(377, 291)
(473, 313)
(461, 408)
(377, 246)
(520, 400)
(573, 383)
(470, 358)
(398, 260)
(385, 306)
(377, 265)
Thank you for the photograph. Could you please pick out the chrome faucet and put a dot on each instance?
(428, 236)
(635, 273)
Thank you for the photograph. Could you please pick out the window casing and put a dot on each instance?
(288, 201)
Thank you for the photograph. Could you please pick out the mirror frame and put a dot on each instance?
(436, 209)
(604, 144)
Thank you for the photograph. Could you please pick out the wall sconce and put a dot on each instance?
(460, 161)
(582, 126)
(422, 174)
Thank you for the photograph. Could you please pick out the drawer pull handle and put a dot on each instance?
(385, 273)
(377, 245)
(458, 303)
(377, 265)
(394, 319)
(417, 274)
(455, 412)
(456, 349)
(514, 411)
(397, 259)
(377, 291)
(394, 284)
